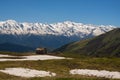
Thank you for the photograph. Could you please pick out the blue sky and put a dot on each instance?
(106, 12)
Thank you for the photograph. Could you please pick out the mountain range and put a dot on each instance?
(50, 36)
(107, 44)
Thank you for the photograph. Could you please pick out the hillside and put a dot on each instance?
(14, 47)
(107, 44)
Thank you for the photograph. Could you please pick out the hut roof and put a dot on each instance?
(40, 48)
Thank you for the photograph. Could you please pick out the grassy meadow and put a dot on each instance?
(62, 67)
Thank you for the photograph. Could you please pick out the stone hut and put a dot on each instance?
(41, 51)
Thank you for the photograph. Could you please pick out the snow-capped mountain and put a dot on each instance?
(48, 35)
(66, 28)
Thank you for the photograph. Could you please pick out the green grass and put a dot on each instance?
(17, 57)
(17, 54)
(62, 67)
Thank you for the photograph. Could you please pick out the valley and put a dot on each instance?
(95, 58)
(59, 40)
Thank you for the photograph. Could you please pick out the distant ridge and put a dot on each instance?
(66, 28)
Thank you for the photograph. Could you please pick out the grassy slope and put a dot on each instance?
(104, 45)
(62, 67)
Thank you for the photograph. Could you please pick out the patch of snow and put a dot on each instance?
(2, 55)
(25, 72)
(97, 73)
(32, 57)
(42, 57)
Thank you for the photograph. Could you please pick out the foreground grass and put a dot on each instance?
(17, 54)
(62, 67)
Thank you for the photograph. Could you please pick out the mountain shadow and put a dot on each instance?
(14, 47)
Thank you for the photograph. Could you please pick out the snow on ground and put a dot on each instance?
(25, 72)
(1, 55)
(42, 57)
(32, 57)
(97, 73)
